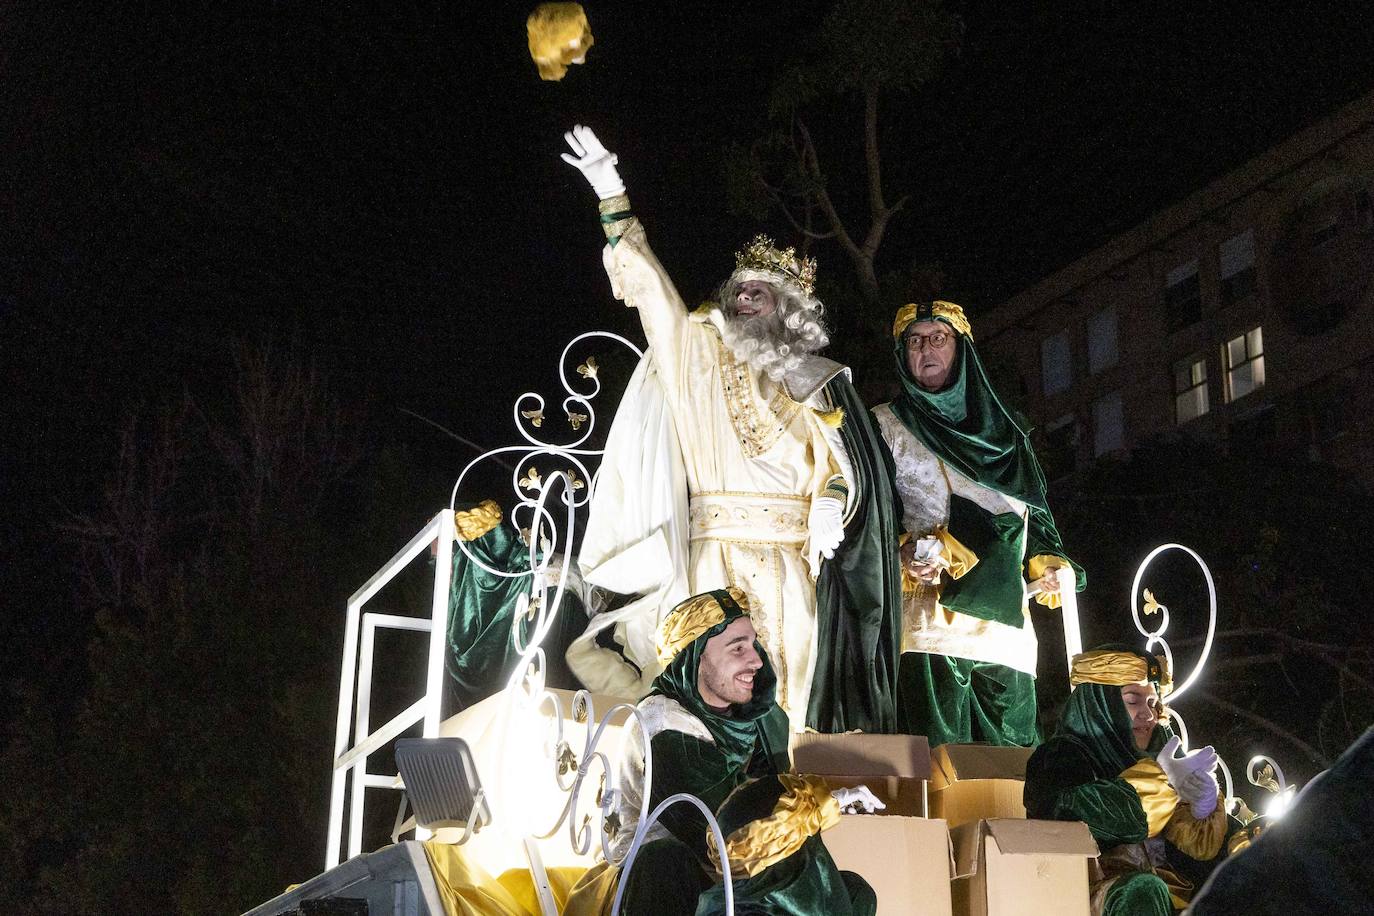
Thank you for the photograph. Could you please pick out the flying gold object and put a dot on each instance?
(559, 35)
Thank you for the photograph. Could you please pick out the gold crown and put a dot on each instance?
(760, 254)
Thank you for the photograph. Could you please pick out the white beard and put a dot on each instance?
(762, 343)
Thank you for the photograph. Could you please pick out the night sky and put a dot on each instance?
(386, 189)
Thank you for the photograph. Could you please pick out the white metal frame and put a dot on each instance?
(354, 719)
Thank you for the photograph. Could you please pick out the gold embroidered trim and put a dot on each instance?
(758, 428)
(803, 811)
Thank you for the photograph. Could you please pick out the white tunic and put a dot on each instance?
(925, 484)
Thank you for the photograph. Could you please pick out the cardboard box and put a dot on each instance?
(971, 782)
(907, 860)
(894, 767)
(1014, 867)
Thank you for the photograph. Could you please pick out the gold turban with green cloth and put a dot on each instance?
(966, 425)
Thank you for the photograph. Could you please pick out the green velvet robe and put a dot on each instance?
(481, 610)
(859, 590)
(1076, 775)
(805, 883)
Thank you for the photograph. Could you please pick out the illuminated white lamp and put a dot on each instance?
(1265, 773)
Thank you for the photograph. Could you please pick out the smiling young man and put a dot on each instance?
(1113, 763)
(978, 536)
(710, 722)
(740, 457)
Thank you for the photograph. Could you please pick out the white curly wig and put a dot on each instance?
(775, 343)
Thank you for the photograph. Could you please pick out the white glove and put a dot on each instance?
(1200, 791)
(594, 162)
(857, 800)
(826, 524)
(1178, 769)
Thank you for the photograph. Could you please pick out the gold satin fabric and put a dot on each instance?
(804, 810)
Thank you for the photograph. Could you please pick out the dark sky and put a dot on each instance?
(388, 187)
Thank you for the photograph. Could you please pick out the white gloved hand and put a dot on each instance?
(858, 800)
(594, 162)
(826, 524)
(1178, 769)
(1200, 790)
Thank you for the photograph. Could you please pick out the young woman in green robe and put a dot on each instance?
(1157, 818)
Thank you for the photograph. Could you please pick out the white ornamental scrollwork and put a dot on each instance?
(566, 475)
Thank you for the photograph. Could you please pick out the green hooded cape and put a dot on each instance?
(1076, 775)
(967, 426)
(751, 741)
(859, 590)
(481, 610)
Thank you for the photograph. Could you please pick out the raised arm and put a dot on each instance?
(637, 277)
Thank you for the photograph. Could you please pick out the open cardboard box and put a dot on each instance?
(1016, 867)
(971, 782)
(907, 860)
(894, 767)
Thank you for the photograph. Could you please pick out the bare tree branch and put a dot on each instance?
(1266, 724)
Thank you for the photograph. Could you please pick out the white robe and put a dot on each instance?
(752, 458)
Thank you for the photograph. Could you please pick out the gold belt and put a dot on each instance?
(775, 518)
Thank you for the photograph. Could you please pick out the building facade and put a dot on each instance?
(1243, 314)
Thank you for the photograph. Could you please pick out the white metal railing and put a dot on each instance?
(355, 684)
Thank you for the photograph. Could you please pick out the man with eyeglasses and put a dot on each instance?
(978, 540)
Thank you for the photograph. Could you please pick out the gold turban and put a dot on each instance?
(929, 311)
(1117, 668)
(695, 616)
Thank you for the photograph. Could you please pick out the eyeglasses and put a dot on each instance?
(936, 341)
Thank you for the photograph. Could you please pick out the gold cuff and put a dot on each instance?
(471, 524)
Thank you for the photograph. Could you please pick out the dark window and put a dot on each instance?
(1182, 297)
(1237, 261)
(1059, 455)
(1364, 210)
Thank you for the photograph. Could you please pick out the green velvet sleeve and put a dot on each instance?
(683, 763)
(1061, 785)
(771, 756)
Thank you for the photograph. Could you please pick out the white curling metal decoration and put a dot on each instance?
(1264, 772)
(1155, 637)
(567, 475)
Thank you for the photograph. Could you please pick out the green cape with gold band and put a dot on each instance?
(968, 427)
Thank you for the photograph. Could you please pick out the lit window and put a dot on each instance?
(1102, 341)
(1190, 389)
(1244, 364)
(1237, 267)
(1056, 363)
(1182, 296)
(1108, 427)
